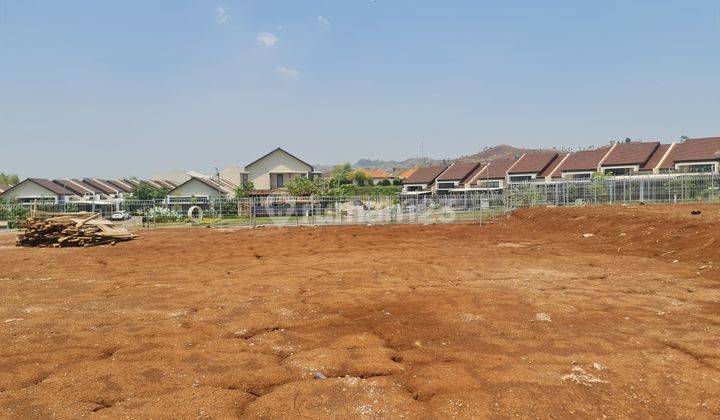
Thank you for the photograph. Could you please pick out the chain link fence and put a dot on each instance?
(617, 190)
(282, 210)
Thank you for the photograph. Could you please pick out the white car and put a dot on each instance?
(120, 215)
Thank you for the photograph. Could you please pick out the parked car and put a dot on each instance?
(120, 215)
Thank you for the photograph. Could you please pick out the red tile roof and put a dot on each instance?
(635, 153)
(497, 169)
(533, 163)
(77, 190)
(425, 175)
(104, 187)
(655, 158)
(555, 163)
(586, 160)
(407, 173)
(474, 173)
(694, 150)
(120, 187)
(52, 186)
(84, 184)
(377, 173)
(458, 171)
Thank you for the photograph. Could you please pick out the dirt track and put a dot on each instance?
(413, 321)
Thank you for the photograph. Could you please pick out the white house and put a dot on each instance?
(270, 172)
(41, 190)
(202, 189)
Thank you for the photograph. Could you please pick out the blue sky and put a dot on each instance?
(106, 88)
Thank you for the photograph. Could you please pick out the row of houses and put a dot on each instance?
(75, 190)
(274, 170)
(701, 155)
(268, 173)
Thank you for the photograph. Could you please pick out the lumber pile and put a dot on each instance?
(70, 229)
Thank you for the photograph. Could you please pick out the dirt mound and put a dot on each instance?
(671, 232)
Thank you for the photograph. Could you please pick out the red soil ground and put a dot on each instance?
(412, 321)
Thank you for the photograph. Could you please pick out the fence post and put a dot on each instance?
(252, 211)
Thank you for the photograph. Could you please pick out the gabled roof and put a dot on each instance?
(51, 186)
(121, 187)
(656, 157)
(583, 161)
(554, 165)
(124, 184)
(496, 169)
(694, 150)
(102, 186)
(87, 186)
(474, 174)
(164, 184)
(533, 163)
(281, 150)
(634, 153)
(72, 186)
(407, 173)
(458, 171)
(225, 187)
(425, 175)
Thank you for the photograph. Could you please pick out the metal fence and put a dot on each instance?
(281, 210)
(617, 190)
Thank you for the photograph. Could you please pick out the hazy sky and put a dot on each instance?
(120, 88)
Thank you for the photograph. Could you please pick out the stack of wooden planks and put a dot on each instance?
(70, 229)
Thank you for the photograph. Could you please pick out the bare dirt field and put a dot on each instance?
(524, 317)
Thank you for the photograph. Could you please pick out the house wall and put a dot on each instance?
(29, 190)
(232, 174)
(415, 187)
(195, 188)
(286, 178)
(277, 162)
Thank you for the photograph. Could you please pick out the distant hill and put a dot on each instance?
(501, 152)
(395, 165)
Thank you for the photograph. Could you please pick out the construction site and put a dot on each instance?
(584, 311)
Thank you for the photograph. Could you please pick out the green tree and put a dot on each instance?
(9, 179)
(361, 178)
(341, 175)
(145, 191)
(301, 186)
(244, 189)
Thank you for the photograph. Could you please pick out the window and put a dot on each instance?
(619, 171)
(445, 185)
(586, 175)
(244, 177)
(702, 168)
(279, 180)
(521, 178)
(488, 184)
